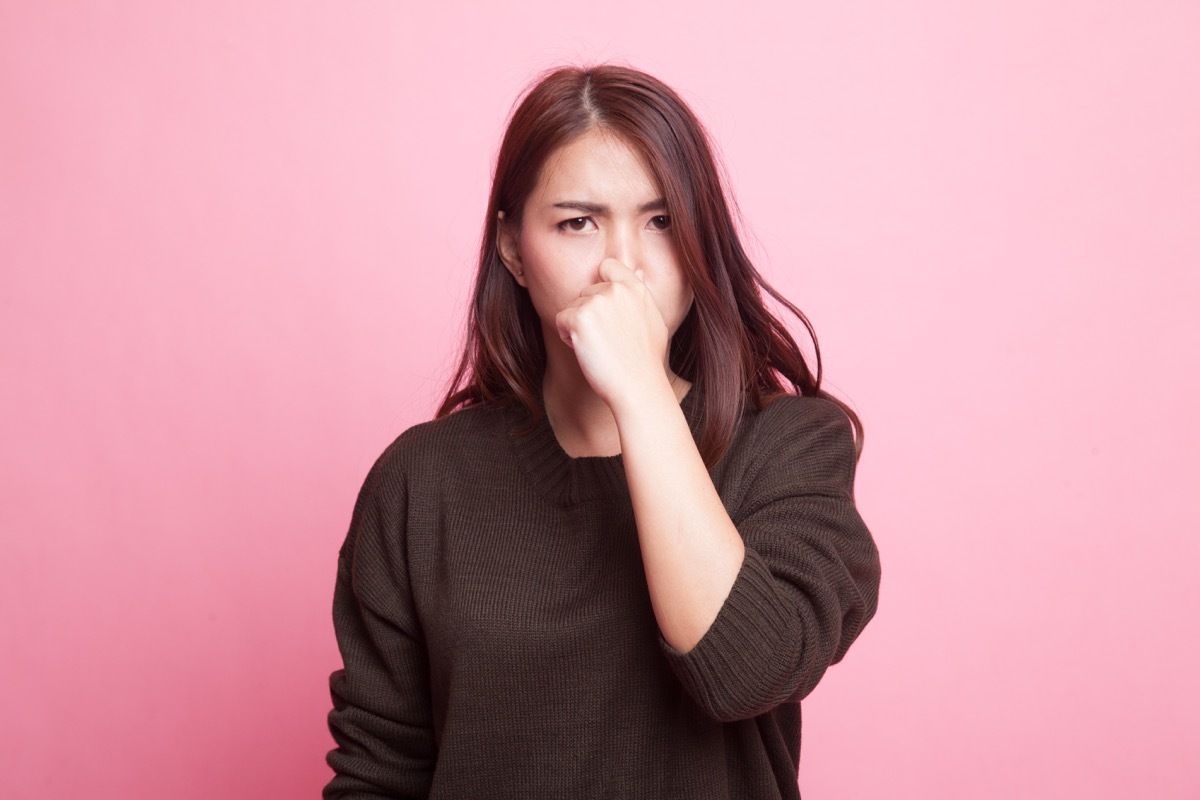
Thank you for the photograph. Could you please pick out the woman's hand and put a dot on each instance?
(618, 335)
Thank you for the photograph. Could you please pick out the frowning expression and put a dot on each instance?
(595, 199)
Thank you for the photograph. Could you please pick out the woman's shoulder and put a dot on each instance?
(801, 433)
(792, 415)
(439, 444)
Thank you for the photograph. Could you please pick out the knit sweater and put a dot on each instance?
(497, 634)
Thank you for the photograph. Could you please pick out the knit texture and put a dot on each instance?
(498, 639)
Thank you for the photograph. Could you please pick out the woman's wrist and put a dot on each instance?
(644, 397)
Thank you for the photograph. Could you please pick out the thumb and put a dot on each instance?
(563, 324)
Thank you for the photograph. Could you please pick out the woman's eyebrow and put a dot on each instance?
(657, 204)
(580, 205)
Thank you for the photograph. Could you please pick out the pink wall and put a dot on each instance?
(236, 240)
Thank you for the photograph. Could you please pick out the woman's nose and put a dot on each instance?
(624, 245)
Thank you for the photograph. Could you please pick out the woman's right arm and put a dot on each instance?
(381, 717)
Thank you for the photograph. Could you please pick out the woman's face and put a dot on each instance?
(594, 199)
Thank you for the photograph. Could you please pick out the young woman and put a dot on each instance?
(627, 546)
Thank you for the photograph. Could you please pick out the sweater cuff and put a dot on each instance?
(742, 666)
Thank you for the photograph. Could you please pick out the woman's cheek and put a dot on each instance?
(578, 263)
(558, 274)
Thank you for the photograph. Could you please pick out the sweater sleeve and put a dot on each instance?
(809, 581)
(381, 718)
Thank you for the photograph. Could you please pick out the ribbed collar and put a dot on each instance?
(569, 481)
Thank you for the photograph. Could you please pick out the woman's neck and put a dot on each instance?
(581, 421)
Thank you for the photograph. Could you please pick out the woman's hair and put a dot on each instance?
(730, 346)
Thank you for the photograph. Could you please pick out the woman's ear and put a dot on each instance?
(509, 249)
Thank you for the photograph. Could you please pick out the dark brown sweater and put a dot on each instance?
(496, 628)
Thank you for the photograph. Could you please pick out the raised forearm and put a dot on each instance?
(691, 549)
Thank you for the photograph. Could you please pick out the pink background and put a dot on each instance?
(236, 240)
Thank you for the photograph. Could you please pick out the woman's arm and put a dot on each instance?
(752, 607)
(809, 580)
(691, 549)
(381, 717)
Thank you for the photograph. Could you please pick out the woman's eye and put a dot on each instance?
(576, 224)
(661, 222)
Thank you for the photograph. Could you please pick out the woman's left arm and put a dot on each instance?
(691, 549)
(752, 607)
(752, 612)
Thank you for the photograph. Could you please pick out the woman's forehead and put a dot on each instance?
(599, 167)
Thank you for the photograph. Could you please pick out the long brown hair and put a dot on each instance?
(730, 346)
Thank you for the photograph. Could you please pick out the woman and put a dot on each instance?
(627, 547)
